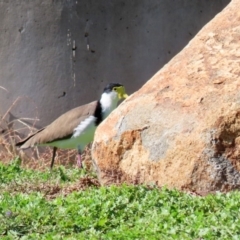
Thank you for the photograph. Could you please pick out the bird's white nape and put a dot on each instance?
(109, 101)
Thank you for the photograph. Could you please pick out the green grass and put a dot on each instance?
(116, 212)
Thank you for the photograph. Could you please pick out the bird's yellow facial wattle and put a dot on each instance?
(121, 92)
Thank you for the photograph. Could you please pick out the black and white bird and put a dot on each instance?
(75, 128)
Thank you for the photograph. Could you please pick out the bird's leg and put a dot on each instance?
(53, 157)
(79, 158)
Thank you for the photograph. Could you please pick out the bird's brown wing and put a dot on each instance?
(61, 128)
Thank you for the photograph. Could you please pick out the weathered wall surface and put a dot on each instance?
(44, 53)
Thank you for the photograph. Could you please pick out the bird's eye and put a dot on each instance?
(114, 89)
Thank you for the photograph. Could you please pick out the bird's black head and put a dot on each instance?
(111, 86)
(115, 91)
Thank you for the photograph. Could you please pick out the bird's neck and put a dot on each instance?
(108, 103)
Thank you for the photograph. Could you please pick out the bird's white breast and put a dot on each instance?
(86, 128)
(82, 135)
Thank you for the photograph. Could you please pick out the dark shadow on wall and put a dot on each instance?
(129, 41)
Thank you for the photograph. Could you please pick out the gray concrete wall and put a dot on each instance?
(44, 55)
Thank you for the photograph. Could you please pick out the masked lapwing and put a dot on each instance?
(76, 128)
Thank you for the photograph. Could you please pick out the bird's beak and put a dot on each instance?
(121, 93)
